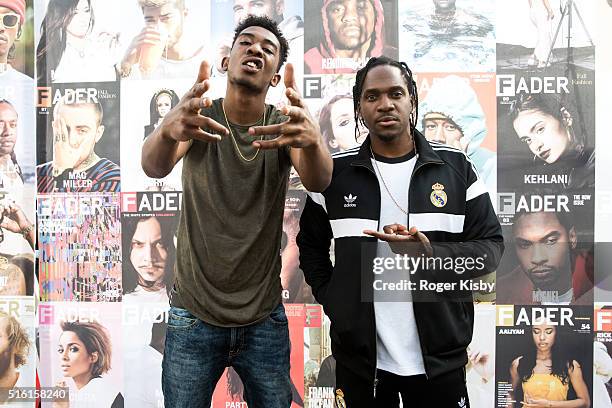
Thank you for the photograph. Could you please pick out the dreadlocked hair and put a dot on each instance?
(410, 83)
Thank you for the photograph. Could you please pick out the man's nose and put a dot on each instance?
(440, 135)
(386, 104)
(255, 49)
(350, 13)
(540, 254)
(73, 138)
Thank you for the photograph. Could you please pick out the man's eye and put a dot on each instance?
(526, 140)
(523, 244)
(245, 43)
(552, 241)
(337, 9)
(370, 98)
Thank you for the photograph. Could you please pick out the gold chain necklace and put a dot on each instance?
(385, 184)
(234, 139)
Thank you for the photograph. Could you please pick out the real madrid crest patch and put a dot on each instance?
(340, 399)
(438, 196)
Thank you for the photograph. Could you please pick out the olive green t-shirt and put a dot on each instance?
(228, 241)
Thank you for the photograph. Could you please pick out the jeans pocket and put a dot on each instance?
(278, 315)
(179, 318)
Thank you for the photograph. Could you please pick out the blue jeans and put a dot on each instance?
(196, 354)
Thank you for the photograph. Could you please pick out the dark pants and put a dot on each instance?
(448, 390)
(197, 353)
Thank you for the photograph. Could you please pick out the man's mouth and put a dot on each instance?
(387, 120)
(252, 64)
(541, 274)
(351, 31)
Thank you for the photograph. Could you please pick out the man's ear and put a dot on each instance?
(99, 132)
(573, 238)
(275, 79)
(225, 63)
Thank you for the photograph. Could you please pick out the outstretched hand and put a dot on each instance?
(300, 130)
(184, 122)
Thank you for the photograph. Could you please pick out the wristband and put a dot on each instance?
(25, 231)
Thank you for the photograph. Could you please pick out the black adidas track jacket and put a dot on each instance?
(466, 225)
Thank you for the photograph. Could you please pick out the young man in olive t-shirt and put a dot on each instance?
(237, 152)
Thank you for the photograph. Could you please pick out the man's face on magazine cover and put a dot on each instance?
(351, 23)
(271, 8)
(542, 247)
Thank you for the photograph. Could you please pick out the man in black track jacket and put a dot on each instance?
(395, 179)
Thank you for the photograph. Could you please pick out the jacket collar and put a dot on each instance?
(425, 154)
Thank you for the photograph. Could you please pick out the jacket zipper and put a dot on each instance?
(373, 311)
(415, 320)
(375, 381)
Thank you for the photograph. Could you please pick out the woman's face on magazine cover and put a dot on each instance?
(81, 18)
(545, 135)
(164, 104)
(343, 125)
(74, 358)
(543, 336)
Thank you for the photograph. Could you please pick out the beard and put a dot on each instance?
(388, 137)
(554, 278)
(391, 135)
(247, 86)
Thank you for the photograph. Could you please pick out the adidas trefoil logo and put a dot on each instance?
(350, 201)
(462, 403)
